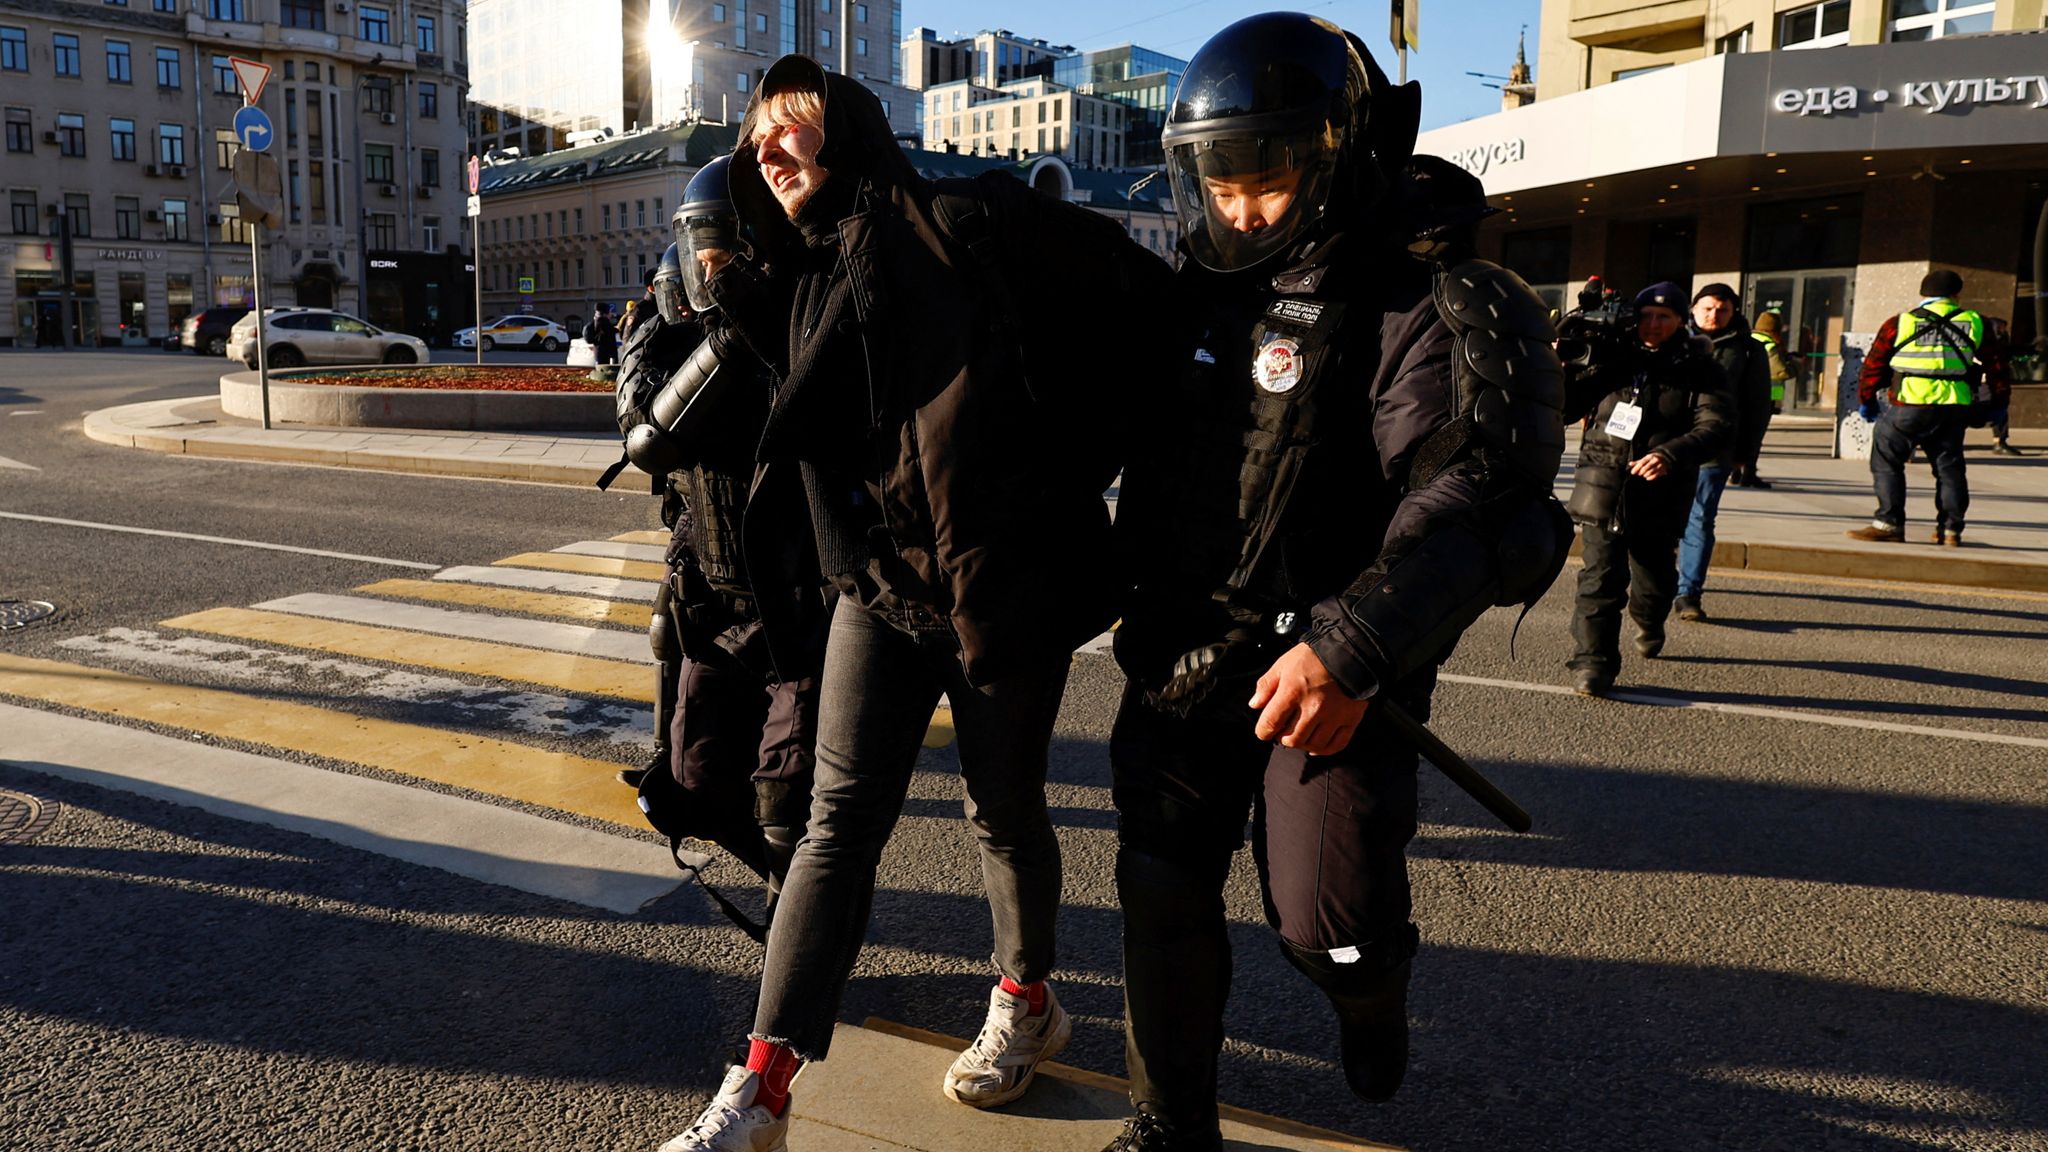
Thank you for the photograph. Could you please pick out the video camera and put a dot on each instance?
(1596, 341)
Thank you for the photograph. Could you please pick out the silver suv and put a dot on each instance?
(298, 336)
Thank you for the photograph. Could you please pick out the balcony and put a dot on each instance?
(1621, 23)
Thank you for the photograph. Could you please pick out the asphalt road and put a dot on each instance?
(1729, 930)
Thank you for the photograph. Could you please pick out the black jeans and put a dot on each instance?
(876, 697)
(1936, 429)
(1636, 567)
(1329, 836)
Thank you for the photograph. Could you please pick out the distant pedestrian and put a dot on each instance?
(1930, 360)
(1768, 330)
(1999, 415)
(628, 319)
(1670, 412)
(1717, 318)
(602, 335)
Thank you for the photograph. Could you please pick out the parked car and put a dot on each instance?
(517, 331)
(297, 336)
(206, 333)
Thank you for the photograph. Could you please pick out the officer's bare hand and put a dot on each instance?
(1303, 707)
(1651, 467)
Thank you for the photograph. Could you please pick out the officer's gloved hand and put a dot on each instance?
(1871, 410)
(1197, 675)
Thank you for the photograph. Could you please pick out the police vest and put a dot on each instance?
(1770, 344)
(1936, 354)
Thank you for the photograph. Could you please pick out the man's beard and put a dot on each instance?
(802, 196)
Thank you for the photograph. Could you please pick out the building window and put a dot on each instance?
(127, 218)
(65, 49)
(718, 13)
(13, 50)
(383, 231)
(21, 133)
(741, 82)
(606, 217)
(760, 22)
(640, 213)
(430, 167)
(224, 81)
(377, 94)
(860, 45)
(860, 13)
(1632, 73)
(430, 100)
(164, 6)
(122, 135)
(23, 209)
(426, 35)
(579, 271)
(224, 148)
(824, 37)
(377, 166)
(430, 232)
(120, 64)
(170, 144)
(226, 10)
(579, 221)
(303, 14)
(1933, 19)
(167, 68)
(374, 24)
(78, 206)
(70, 134)
(177, 223)
(1824, 25)
(1735, 42)
(316, 191)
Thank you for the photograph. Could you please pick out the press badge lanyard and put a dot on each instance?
(1627, 415)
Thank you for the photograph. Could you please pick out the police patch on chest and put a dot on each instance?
(1277, 367)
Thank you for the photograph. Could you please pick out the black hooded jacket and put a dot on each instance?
(939, 484)
(1688, 417)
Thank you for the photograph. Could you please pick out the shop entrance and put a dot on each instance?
(1814, 306)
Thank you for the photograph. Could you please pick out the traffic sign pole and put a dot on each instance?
(256, 280)
(476, 255)
(253, 129)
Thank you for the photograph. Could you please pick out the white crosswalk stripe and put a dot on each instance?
(610, 643)
(539, 580)
(617, 550)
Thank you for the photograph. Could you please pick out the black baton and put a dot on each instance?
(1453, 765)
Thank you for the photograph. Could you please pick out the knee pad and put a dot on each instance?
(781, 803)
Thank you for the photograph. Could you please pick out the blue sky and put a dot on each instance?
(1457, 35)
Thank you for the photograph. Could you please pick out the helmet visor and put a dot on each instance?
(668, 296)
(704, 244)
(1242, 196)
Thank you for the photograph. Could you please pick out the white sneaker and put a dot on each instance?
(999, 1066)
(732, 1122)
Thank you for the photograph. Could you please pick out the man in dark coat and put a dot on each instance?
(1745, 364)
(966, 540)
(1670, 413)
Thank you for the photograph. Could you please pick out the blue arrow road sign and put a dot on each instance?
(252, 128)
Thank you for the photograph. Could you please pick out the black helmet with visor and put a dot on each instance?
(707, 231)
(667, 285)
(1265, 119)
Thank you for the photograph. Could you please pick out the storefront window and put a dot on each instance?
(1933, 19)
(134, 307)
(1672, 246)
(1817, 233)
(1824, 25)
(234, 291)
(177, 300)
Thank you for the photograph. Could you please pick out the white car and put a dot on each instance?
(518, 331)
(298, 336)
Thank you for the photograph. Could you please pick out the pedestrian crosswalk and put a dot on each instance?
(477, 677)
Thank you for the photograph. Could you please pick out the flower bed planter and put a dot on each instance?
(513, 398)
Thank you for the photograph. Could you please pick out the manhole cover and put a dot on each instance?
(24, 817)
(22, 613)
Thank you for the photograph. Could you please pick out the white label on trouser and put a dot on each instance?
(1344, 955)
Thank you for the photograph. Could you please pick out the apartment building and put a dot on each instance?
(1821, 156)
(1026, 118)
(552, 73)
(117, 116)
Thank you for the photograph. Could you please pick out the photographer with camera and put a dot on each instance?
(1665, 409)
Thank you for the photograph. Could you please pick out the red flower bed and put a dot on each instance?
(454, 377)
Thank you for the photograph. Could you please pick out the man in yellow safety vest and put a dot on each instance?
(1931, 361)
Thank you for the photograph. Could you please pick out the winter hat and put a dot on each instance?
(1941, 283)
(1768, 324)
(1717, 290)
(1663, 294)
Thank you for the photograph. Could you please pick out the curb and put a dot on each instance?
(1906, 566)
(102, 426)
(412, 409)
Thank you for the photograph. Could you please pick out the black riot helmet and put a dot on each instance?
(707, 230)
(667, 285)
(1282, 122)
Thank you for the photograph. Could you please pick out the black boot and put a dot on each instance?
(1176, 981)
(1371, 1000)
(1148, 1133)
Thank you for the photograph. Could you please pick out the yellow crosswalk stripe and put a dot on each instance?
(657, 538)
(586, 565)
(588, 609)
(480, 763)
(940, 733)
(583, 675)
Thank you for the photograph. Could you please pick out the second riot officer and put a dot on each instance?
(1350, 466)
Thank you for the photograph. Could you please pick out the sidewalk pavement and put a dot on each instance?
(1794, 527)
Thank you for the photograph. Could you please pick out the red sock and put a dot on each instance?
(1033, 993)
(777, 1066)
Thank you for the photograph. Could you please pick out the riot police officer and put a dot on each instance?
(743, 732)
(1352, 465)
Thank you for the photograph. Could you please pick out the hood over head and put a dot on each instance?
(859, 144)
